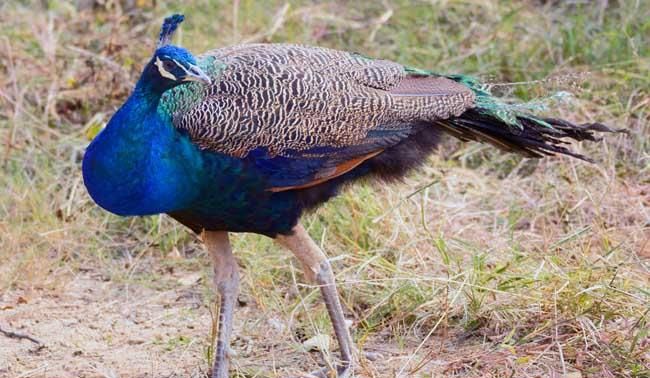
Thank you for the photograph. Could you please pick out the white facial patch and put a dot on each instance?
(163, 71)
(190, 76)
(181, 66)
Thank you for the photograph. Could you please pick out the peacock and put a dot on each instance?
(247, 138)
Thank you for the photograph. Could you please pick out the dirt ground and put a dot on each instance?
(95, 328)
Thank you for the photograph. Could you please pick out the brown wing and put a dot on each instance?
(331, 110)
(289, 98)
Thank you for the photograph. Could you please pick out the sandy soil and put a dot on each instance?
(96, 328)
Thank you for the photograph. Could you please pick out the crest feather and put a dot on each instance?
(168, 28)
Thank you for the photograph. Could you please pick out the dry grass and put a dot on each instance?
(480, 265)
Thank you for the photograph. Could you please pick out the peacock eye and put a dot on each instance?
(169, 65)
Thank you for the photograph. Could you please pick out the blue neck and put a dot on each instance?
(140, 164)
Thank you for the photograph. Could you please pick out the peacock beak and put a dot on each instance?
(194, 73)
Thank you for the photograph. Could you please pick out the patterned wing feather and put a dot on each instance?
(317, 110)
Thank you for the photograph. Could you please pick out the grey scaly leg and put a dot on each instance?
(226, 279)
(317, 269)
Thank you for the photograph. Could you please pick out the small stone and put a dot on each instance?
(373, 356)
(318, 342)
(190, 279)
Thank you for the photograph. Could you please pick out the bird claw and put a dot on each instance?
(230, 353)
(342, 371)
(220, 366)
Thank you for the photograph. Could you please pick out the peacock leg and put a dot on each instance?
(317, 269)
(226, 279)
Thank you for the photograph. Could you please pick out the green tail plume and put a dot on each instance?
(513, 126)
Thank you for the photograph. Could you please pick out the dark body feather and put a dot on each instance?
(391, 164)
(283, 127)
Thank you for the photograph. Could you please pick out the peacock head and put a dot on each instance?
(172, 65)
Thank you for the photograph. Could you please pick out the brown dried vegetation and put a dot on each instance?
(480, 265)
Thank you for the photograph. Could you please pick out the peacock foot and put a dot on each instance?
(342, 371)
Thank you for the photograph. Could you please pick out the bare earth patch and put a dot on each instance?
(94, 328)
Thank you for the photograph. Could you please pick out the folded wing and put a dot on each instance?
(304, 115)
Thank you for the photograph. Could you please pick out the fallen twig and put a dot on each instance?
(21, 336)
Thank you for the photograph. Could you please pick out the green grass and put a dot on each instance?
(480, 264)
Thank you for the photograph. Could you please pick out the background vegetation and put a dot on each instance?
(480, 265)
